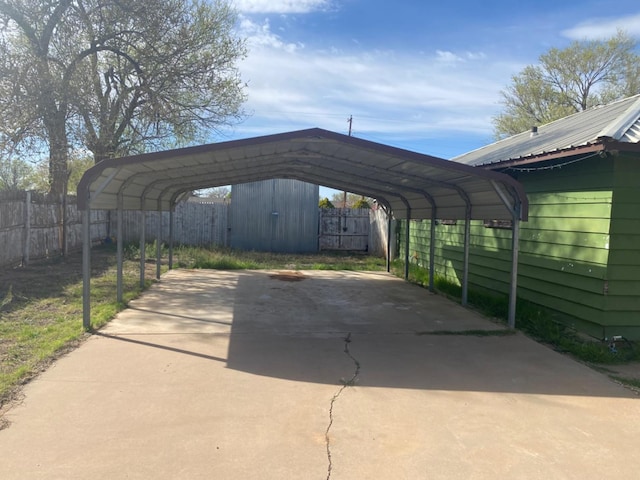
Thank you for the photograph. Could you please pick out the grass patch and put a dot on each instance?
(471, 333)
(629, 382)
(228, 259)
(534, 320)
(41, 311)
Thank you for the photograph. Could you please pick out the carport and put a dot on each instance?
(408, 185)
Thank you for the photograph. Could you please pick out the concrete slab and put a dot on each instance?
(269, 375)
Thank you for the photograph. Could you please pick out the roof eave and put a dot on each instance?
(599, 146)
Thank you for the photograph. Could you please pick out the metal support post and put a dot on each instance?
(406, 245)
(515, 249)
(171, 237)
(143, 245)
(465, 274)
(119, 251)
(86, 268)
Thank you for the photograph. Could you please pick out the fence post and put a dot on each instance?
(65, 240)
(27, 231)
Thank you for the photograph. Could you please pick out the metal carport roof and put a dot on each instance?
(411, 185)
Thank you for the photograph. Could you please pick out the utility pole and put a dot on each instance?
(350, 121)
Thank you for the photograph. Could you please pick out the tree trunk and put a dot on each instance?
(58, 158)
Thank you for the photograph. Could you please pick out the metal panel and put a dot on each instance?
(618, 121)
(396, 178)
(275, 215)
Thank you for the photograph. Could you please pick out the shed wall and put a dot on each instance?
(623, 289)
(564, 247)
(276, 215)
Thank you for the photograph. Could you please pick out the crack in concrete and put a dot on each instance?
(345, 384)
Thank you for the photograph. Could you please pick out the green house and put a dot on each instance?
(580, 249)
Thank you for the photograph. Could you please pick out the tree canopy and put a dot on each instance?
(569, 80)
(114, 77)
(352, 200)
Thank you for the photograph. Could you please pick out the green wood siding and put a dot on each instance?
(564, 247)
(623, 296)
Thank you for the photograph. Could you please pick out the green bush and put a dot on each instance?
(361, 203)
(325, 203)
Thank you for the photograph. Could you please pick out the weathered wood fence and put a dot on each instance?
(202, 224)
(356, 229)
(35, 226)
(379, 241)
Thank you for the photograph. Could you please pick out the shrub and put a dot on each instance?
(361, 203)
(325, 203)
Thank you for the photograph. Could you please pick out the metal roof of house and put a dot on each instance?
(396, 178)
(618, 121)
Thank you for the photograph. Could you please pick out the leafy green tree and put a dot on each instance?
(15, 174)
(325, 203)
(78, 164)
(115, 76)
(338, 199)
(567, 81)
(361, 203)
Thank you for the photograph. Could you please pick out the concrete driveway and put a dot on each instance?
(319, 375)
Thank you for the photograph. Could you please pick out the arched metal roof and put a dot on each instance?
(409, 183)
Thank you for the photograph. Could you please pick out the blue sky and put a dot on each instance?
(420, 74)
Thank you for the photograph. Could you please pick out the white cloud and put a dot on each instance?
(391, 95)
(597, 29)
(448, 56)
(261, 36)
(451, 57)
(280, 6)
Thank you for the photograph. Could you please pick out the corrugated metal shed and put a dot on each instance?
(275, 216)
(409, 183)
(618, 121)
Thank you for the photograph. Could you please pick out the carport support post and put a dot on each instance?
(406, 245)
(432, 250)
(465, 274)
(171, 237)
(159, 246)
(388, 242)
(515, 249)
(119, 250)
(142, 244)
(86, 267)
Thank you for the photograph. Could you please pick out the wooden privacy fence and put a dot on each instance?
(198, 224)
(209, 224)
(344, 229)
(37, 226)
(378, 230)
(356, 229)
